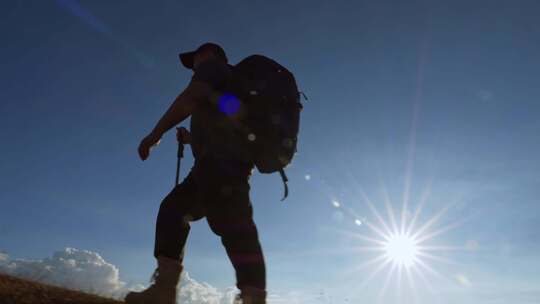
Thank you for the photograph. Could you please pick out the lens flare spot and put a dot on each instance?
(228, 104)
(463, 280)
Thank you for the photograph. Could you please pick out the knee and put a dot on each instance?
(171, 211)
(166, 204)
(171, 205)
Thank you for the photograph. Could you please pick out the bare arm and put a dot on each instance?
(179, 110)
(182, 106)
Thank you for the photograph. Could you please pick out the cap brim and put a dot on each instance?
(187, 59)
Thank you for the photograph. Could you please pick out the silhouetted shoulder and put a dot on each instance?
(213, 72)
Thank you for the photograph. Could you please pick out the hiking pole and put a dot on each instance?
(179, 155)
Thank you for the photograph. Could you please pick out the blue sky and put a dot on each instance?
(403, 97)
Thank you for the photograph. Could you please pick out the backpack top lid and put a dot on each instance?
(264, 76)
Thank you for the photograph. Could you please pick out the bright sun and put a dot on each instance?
(401, 249)
(401, 245)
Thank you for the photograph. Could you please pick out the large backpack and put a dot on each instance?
(269, 116)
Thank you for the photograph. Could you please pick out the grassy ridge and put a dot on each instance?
(18, 291)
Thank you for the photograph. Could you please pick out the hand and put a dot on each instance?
(146, 144)
(183, 135)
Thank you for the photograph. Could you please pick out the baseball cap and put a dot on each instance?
(187, 57)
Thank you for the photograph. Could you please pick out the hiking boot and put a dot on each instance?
(163, 291)
(251, 296)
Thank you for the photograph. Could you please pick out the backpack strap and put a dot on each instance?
(285, 180)
(300, 93)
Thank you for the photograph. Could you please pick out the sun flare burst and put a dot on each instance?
(401, 249)
(402, 243)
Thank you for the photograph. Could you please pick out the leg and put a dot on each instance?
(230, 216)
(172, 229)
(178, 208)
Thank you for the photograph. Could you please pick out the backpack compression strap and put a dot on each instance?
(285, 180)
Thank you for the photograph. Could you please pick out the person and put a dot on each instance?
(217, 187)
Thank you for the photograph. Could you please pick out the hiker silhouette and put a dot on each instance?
(217, 186)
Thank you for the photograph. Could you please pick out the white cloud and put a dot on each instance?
(193, 292)
(3, 257)
(70, 268)
(87, 271)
